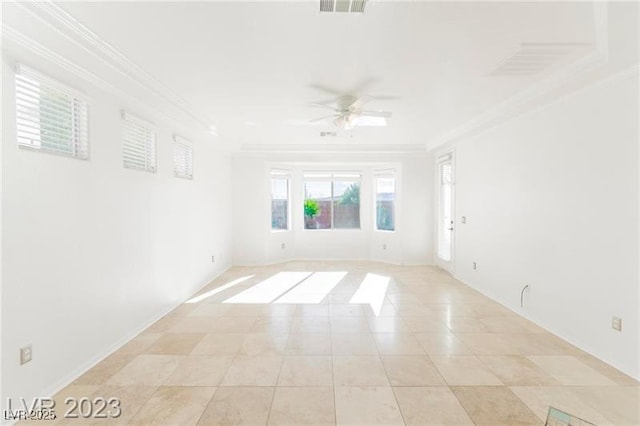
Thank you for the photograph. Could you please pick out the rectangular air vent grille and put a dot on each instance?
(353, 6)
(533, 58)
(327, 134)
(358, 5)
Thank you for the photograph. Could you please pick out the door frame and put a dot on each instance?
(444, 157)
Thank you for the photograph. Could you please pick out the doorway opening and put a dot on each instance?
(445, 228)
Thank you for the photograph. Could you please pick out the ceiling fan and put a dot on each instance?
(348, 110)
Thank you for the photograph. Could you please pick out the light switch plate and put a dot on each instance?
(616, 323)
(25, 354)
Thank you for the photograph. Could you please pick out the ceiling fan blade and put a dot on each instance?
(365, 99)
(357, 104)
(363, 86)
(322, 105)
(385, 114)
(384, 97)
(326, 89)
(324, 118)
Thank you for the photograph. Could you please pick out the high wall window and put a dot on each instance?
(279, 200)
(138, 143)
(50, 117)
(332, 200)
(385, 202)
(182, 158)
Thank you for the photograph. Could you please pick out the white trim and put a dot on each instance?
(524, 100)
(384, 174)
(444, 157)
(73, 30)
(182, 140)
(21, 40)
(139, 143)
(447, 157)
(344, 175)
(127, 116)
(182, 148)
(40, 50)
(71, 377)
(334, 148)
(41, 116)
(27, 71)
(280, 173)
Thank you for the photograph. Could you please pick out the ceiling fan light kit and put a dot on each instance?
(348, 112)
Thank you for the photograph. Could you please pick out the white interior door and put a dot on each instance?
(445, 212)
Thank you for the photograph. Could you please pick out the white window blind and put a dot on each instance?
(138, 143)
(182, 158)
(50, 117)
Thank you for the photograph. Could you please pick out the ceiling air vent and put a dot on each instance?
(354, 6)
(533, 58)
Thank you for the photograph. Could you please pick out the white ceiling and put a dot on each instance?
(253, 69)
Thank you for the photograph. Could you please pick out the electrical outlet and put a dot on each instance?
(616, 323)
(463, 219)
(283, 245)
(213, 259)
(25, 354)
(475, 265)
(384, 247)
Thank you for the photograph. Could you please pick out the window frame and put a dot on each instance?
(132, 120)
(182, 143)
(331, 177)
(384, 174)
(78, 113)
(280, 174)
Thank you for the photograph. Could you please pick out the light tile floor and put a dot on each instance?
(384, 345)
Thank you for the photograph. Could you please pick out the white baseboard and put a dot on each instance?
(71, 377)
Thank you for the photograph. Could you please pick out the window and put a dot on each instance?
(138, 144)
(50, 117)
(332, 201)
(385, 202)
(279, 200)
(317, 204)
(182, 158)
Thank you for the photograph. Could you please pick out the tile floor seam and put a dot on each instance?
(402, 415)
(275, 388)
(206, 405)
(412, 320)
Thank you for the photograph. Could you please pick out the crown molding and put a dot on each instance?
(11, 34)
(524, 100)
(412, 149)
(14, 36)
(57, 19)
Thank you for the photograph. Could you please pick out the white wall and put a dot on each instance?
(418, 219)
(255, 243)
(551, 200)
(94, 252)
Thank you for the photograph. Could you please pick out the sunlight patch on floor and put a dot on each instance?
(372, 291)
(217, 290)
(268, 290)
(313, 289)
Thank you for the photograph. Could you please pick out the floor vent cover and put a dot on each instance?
(557, 417)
